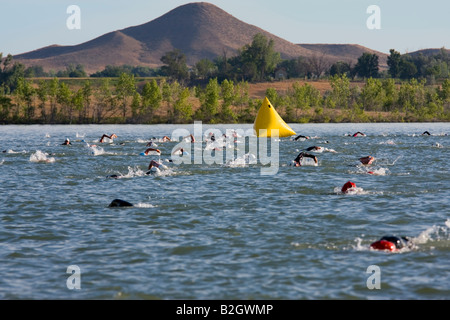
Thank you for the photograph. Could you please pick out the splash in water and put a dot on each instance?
(40, 156)
(243, 161)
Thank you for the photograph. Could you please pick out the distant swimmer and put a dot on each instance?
(298, 160)
(192, 138)
(315, 148)
(346, 187)
(113, 136)
(359, 134)
(166, 139)
(180, 151)
(66, 143)
(212, 137)
(301, 137)
(154, 166)
(146, 152)
(392, 243)
(426, 133)
(367, 160)
(117, 203)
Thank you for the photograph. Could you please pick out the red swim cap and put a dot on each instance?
(383, 245)
(347, 186)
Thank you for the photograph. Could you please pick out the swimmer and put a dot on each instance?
(120, 203)
(297, 161)
(347, 186)
(181, 150)
(367, 160)
(426, 133)
(66, 143)
(190, 136)
(146, 152)
(165, 139)
(359, 134)
(300, 136)
(314, 148)
(153, 164)
(392, 243)
(109, 137)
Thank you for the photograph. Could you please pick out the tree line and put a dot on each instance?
(128, 100)
(217, 91)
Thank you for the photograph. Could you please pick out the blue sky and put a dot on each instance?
(405, 25)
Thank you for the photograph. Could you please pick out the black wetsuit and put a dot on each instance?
(302, 155)
(400, 242)
(300, 136)
(120, 203)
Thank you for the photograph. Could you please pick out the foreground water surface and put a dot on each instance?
(223, 231)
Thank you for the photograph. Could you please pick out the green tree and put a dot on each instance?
(205, 69)
(229, 95)
(367, 65)
(394, 61)
(64, 98)
(5, 108)
(175, 65)
(52, 91)
(42, 94)
(296, 68)
(305, 97)
(151, 98)
(10, 72)
(209, 100)
(372, 95)
(412, 96)
(72, 71)
(25, 94)
(272, 95)
(390, 95)
(444, 90)
(340, 94)
(77, 101)
(105, 101)
(86, 95)
(259, 58)
(125, 88)
(182, 108)
(408, 69)
(169, 93)
(339, 68)
(136, 106)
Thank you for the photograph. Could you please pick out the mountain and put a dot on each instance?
(428, 52)
(199, 30)
(345, 52)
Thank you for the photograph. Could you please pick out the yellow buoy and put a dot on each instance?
(268, 119)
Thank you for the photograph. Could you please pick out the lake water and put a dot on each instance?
(223, 231)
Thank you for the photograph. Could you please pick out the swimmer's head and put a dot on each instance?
(348, 186)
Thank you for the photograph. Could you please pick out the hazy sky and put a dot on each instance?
(406, 25)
